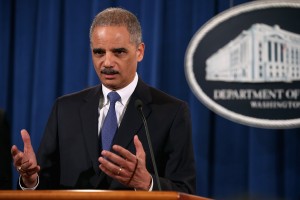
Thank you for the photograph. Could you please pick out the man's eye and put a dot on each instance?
(120, 51)
(98, 52)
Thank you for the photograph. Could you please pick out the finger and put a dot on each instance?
(27, 172)
(16, 155)
(26, 140)
(124, 153)
(127, 160)
(26, 165)
(140, 153)
(14, 150)
(107, 164)
(108, 171)
(114, 158)
(121, 177)
(32, 171)
(113, 168)
(108, 167)
(17, 159)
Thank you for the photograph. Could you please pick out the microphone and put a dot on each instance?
(139, 107)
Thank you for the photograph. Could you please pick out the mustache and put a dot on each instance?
(109, 71)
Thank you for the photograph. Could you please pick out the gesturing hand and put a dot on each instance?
(125, 167)
(25, 162)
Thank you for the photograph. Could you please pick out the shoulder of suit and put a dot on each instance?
(91, 91)
(163, 96)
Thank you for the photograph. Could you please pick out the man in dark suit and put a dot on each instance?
(72, 153)
(5, 166)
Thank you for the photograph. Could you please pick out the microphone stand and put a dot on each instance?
(140, 109)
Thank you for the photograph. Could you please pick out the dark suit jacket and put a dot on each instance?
(5, 157)
(69, 151)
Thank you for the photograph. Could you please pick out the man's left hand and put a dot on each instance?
(125, 167)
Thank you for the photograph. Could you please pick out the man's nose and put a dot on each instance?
(108, 62)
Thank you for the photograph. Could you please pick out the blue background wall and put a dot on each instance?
(44, 53)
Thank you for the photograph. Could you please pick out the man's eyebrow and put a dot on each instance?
(98, 50)
(119, 49)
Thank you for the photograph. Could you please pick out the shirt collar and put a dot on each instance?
(124, 93)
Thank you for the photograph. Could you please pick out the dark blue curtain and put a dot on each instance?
(44, 53)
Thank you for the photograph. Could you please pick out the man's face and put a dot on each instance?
(115, 58)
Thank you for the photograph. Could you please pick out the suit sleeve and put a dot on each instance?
(179, 172)
(48, 153)
(5, 157)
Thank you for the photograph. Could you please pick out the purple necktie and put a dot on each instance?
(110, 124)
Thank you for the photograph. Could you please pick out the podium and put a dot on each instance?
(93, 195)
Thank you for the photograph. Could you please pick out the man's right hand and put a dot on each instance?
(25, 162)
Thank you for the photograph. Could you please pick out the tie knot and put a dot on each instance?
(113, 97)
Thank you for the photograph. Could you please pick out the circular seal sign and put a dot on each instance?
(244, 64)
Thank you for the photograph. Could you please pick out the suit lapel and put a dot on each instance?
(129, 126)
(89, 116)
(132, 122)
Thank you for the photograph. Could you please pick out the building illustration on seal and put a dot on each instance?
(262, 53)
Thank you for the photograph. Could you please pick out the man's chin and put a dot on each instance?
(110, 84)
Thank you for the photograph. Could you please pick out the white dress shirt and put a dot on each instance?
(125, 94)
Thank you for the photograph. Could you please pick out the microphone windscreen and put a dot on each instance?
(138, 103)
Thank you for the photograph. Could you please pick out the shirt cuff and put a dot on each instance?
(25, 188)
(151, 185)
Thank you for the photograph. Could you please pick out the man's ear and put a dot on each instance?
(140, 52)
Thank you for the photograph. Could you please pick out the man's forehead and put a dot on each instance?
(111, 35)
(122, 29)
